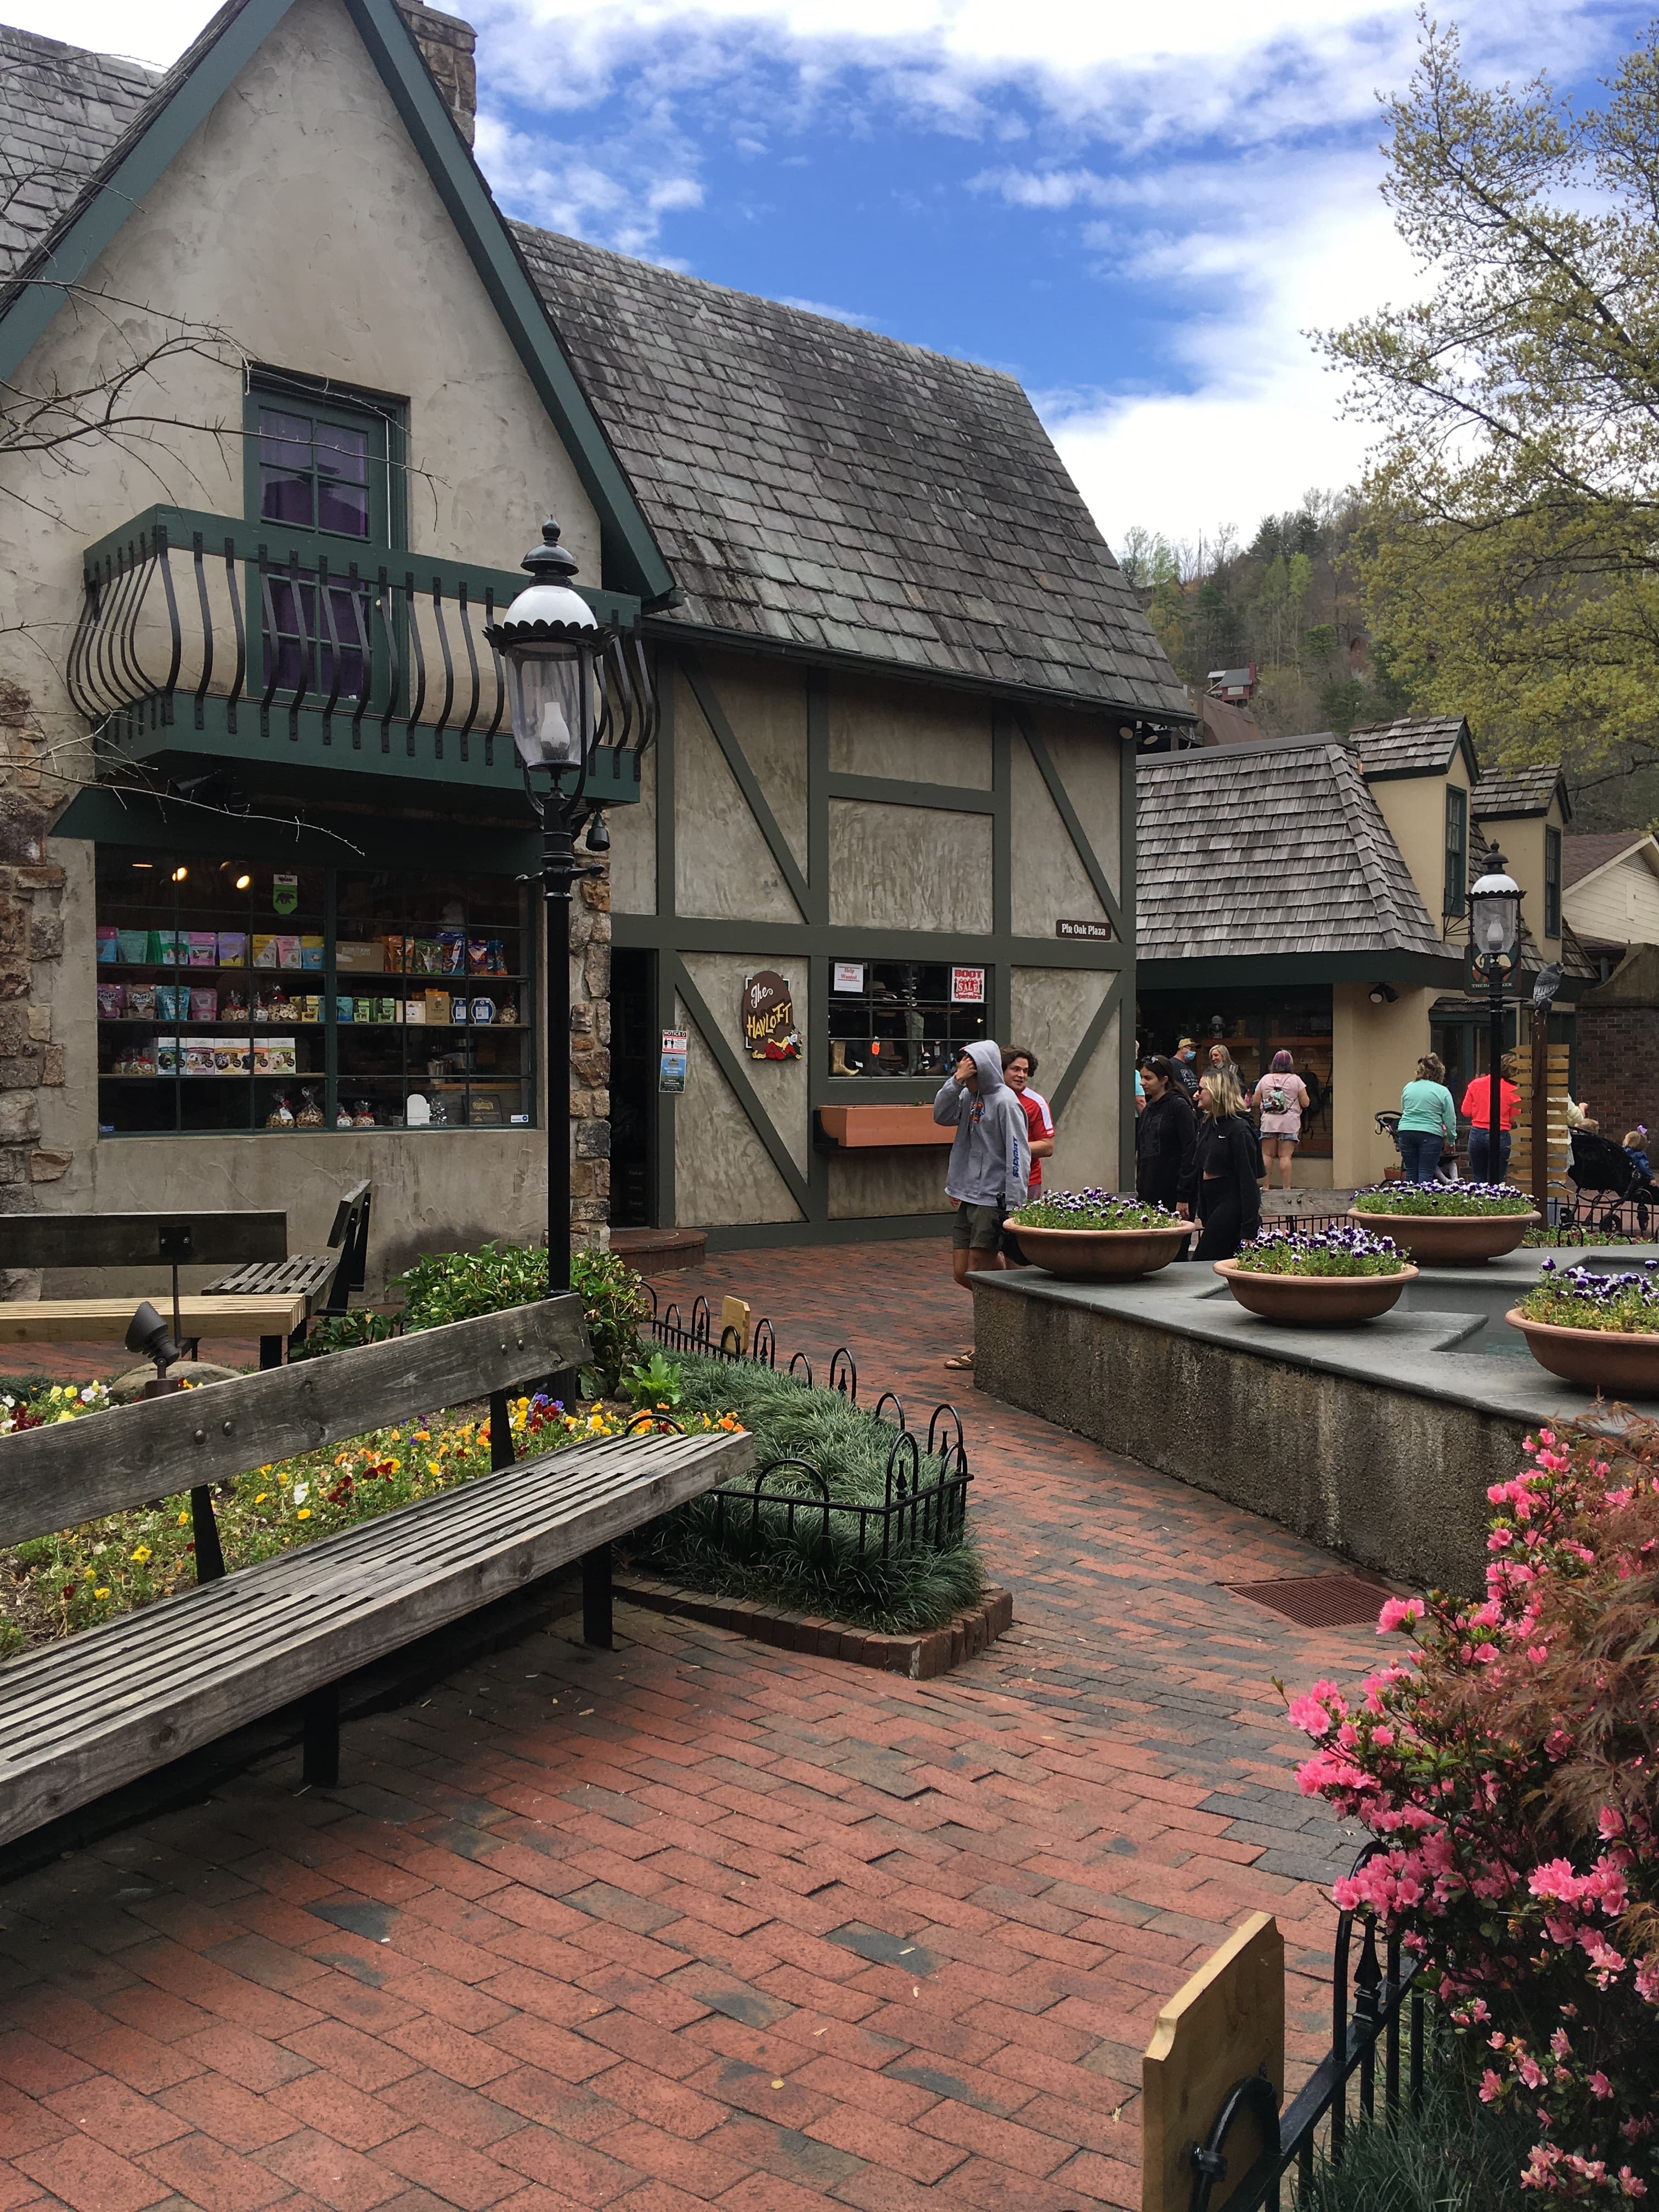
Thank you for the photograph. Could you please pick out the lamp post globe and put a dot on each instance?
(1494, 932)
(571, 692)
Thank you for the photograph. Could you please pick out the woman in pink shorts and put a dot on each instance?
(1281, 1099)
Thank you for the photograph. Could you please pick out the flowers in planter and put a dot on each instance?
(1577, 1298)
(1442, 1198)
(1094, 1209)
(1509, 1764)
(1342, 1251)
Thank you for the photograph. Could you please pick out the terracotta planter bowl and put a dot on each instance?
(1314, 1301)
(1449, 1240)
(1597, 1359)
(1101, 1255)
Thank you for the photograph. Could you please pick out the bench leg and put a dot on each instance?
(320, 1714)
(501, 1430)
(596, 1596)
(270, 1352)
(205, 1531)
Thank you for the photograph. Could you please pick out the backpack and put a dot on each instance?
(1276, 1101)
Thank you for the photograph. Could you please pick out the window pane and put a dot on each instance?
(342, 452)
(284, 440)
(285, 497)
(342, 506)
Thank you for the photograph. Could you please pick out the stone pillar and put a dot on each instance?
(590, 1063)
(31, 952)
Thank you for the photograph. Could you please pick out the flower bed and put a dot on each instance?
(1094, 1209)
(52, 1586)
(917, 1585)
(1577, 1298)
(1326, 1252)
(1450, 1198)
(1510, 1763)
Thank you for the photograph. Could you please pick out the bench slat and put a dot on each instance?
(133, 1240)
(56, 1477)
(303, 1276)
(354, 1617)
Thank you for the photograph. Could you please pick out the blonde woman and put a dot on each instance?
(1225, 1167)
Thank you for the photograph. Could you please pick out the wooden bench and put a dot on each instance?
(325, 1280)
(81, 1716)
(47, 1321)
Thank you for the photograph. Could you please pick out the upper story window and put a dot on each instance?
(324, 461)
(1551, 881)
(1457, 851)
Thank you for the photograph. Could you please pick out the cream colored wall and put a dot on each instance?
(908, 868)
(1374, 1053)
(1620, 902)
(723, 866)
(722, 1171)
(894, 730)
(1415, 809)
(1521, 841)
(1052, 1007)
(780, 1086)
(341, 263)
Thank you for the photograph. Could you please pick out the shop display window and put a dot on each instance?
(244, 996)
(903, 1017)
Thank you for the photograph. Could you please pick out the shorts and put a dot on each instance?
(976, 1229)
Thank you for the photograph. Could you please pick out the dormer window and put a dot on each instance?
(1458, 852)
(1551, 881)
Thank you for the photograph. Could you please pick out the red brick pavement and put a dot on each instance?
(701, 1922)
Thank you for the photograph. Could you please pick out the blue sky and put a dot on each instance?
(1137, 210)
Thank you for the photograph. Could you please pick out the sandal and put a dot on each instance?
(961, 1362)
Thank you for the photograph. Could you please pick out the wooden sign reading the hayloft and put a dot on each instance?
(768, 1017)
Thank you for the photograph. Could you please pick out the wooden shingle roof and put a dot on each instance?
(1250, 850)
(1506, 792)
(1415, 744)
(817, 486)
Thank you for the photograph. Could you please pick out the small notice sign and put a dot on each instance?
(967, 986)
(675, 1052)
(1090, 929)
(848, 975)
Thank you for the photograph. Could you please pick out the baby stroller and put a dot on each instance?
(1605, 1179)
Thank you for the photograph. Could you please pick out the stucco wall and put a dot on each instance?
(1415, 808)
(1052, 1008)
(722, 1171)
(881, 729)
(908, 868)
(1374, 1052)
(722, 864)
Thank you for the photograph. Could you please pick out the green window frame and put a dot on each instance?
(367, 426)
(1552, 880)
(1455, 897)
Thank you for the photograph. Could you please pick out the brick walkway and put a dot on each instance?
(700, 1922)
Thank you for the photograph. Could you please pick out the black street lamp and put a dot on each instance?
(575, 687)
(1494, 932)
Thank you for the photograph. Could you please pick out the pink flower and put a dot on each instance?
(1599, 2086)
(1399, 1613)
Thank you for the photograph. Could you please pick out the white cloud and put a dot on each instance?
(835, 314)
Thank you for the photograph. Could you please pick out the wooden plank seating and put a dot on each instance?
(45, 1321)
(80, 1717)
(325, 1280)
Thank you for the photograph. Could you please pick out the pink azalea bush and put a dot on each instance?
(1509, 1763)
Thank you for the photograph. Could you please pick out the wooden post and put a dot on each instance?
(734, 1316)
(1227, 2023)
(1540, 1109)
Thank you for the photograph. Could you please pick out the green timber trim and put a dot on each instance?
(846, 940)
(1074, 829)
(661, 1104)
(1002, 875)
(1087, 1045)
(735, 1074)
(630, 550)
(105, 816)
(1291, 969)
(1126, 876)
(888, 791)
(110, 198)
(753, 797)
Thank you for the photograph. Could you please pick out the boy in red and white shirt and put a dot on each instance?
(1018, 1067)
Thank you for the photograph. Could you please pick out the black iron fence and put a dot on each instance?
(924, 1502)
(1378, 2033)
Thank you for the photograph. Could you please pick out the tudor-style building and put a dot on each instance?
(261, 828)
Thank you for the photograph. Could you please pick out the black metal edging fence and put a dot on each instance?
(1367, 2011)
(916, 1513)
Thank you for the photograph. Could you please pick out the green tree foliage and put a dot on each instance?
(1511, 565)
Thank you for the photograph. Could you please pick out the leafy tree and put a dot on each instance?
(1511, 564)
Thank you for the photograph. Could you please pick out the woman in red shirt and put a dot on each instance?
(1477, 1110)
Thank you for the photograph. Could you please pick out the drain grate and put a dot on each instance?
(1318, 1601)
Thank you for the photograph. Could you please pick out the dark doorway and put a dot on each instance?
(634, 1047)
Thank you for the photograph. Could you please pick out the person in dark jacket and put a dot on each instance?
(1164, 1138)
(1225, 1163)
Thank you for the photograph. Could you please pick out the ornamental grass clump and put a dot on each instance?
(1447, 1198)
(1345, 1251)
(1577, 1298)
(1510, 1764)
(1094, 1209)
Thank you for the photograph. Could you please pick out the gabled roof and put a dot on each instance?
(129, 140)
(1588, 852)
(1506, 793)
(1415, 744)
(1246, 852)
(829, 488)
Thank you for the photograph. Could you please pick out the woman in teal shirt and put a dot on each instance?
(1428, 1120)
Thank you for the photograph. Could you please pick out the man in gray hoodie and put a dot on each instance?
(990, 1168)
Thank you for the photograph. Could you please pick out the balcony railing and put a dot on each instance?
(203, 635)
